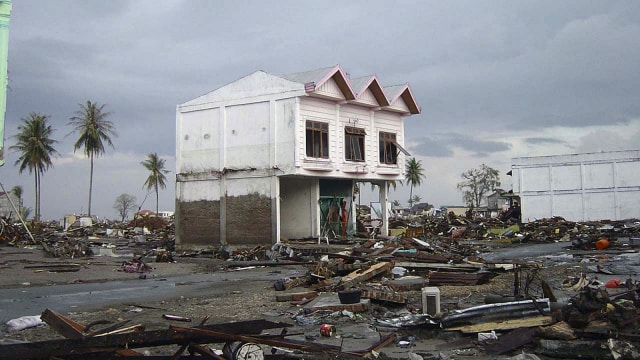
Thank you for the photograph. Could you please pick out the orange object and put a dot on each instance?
(602, 244)
(327, 330)
(612, 284)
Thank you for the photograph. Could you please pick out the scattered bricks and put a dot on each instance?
(383, 295)
(331, 302)
(407, 283)
(342, 267)
(296, 296)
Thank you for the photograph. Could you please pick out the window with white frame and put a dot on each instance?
(354, 143)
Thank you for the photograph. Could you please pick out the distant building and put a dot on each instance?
(497, 202)
(6, 210)
(421, 209)
(579, 187)
(165, 214)
(457, 210)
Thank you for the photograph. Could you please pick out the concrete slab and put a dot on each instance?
(330, 301)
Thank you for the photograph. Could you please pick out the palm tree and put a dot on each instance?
(413, 175)
(35, 145)
(91, 123)
(156, 178)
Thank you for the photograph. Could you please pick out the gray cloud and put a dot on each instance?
(442, 145)
(543, 141)
(471, 65)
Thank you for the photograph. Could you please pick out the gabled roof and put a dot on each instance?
(395, 92)
(361, 84)
(314, 79)
(332, 82)
(245, 87)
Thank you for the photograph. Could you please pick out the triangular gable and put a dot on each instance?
(367, 97)
(255, 84)
(329, 88)
(400, 105)
(317, 81)
(400, 96)
(340, 77)
(367, 87)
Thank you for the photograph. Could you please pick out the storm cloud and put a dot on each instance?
(488, 76)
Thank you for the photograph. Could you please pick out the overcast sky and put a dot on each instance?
(495, 79)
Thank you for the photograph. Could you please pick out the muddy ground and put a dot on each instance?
(252, 298)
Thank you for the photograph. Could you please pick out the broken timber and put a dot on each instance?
(459, 278)
(81, 343)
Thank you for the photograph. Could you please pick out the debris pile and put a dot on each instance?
(118, 340)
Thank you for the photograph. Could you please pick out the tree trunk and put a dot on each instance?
(90, 185)
(39, 196)
(411, 195)
(35, 188)
(156, 187)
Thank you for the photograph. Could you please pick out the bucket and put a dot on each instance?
(349, 296)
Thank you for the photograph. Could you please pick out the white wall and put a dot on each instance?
(198, 190)
(298, 207)
(338, 116)
(247, 136)
(249, 185)
(579, 187)
(285, 127)
(198, 141)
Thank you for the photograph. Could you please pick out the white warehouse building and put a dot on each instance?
(579, 187)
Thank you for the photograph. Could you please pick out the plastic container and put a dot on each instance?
(430, 300)
(349, 296)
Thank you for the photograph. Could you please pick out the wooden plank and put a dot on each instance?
(511, 341)
(101, 344)
(285, 343)
(206, 353)
(440, 266)
(63, 325)
(505, 324)
(376, 269)
(128, 352)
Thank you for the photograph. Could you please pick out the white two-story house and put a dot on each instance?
(278, 156)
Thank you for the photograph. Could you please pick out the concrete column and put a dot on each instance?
(223, 184)
(384, 200)
(5, 15)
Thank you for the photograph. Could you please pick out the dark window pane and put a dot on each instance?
(317, 139)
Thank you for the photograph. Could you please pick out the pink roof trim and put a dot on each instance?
(408, 98)
(376, 89)
(341, 79)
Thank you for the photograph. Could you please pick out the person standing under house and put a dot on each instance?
(344, 216)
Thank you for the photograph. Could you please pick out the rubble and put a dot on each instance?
(597, 304)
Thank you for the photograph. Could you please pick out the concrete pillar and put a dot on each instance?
(384, 202)
(5, 15)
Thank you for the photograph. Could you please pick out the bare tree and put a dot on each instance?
(123, 204)
(476, 183)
